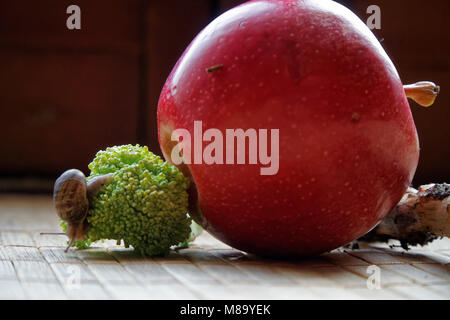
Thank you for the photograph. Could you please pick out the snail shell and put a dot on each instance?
(72, 196)
(71, 203)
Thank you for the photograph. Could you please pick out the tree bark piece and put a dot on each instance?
(420, 217)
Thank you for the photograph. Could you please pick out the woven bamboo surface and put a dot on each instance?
(35, 267)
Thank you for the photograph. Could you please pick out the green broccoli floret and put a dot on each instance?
(145, 204)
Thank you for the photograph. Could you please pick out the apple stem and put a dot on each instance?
(420, 217)
(423, 92)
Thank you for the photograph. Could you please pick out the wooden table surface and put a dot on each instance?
(35, 267)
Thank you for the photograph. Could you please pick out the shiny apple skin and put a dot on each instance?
(348, 143)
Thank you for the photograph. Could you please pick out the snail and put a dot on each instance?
(72, 197)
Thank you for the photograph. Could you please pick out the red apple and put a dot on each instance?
(348, 147)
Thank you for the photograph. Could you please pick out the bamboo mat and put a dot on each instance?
(36, 267)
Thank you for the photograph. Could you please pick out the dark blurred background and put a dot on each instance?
(64, 94)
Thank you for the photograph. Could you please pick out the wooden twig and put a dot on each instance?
(419, 218)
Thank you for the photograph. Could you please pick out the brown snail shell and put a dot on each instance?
(72, 195)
